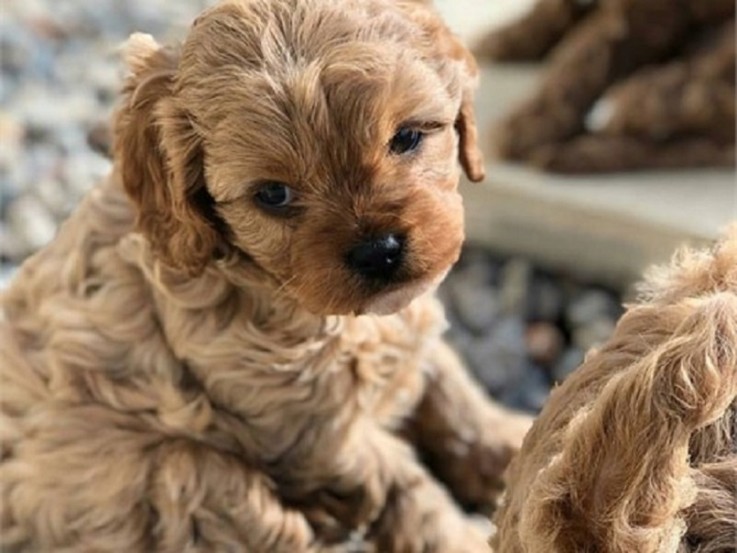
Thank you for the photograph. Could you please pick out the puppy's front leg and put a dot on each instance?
(373, 481)
(465, 437)
(418, 514)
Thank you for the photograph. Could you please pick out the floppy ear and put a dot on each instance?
(469, 153)
(160, 160)
(448, 46)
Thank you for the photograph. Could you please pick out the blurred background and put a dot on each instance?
(608, 127)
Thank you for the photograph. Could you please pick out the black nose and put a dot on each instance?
(378, 258)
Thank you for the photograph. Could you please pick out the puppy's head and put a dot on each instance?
(321, 138)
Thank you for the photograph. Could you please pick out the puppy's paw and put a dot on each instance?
(335, 512)
(422, 519)
(476, 474)
(477, 479)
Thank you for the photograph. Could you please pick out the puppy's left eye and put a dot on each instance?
(405, 140)
(274, 195)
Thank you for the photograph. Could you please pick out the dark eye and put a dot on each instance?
(274, 195)
(405, 140)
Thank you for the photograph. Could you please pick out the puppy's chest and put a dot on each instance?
(386, 360)
(279, 400)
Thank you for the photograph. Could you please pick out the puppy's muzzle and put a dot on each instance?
(377, 259)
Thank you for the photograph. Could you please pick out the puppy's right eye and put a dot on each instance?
(274, 196)
(405, 140)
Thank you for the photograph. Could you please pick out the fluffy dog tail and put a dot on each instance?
(628, 478)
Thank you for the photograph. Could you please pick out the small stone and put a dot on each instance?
(46, 28)
(16, 47)
(593, 333)
(104, 74)
(474, 268)
(469, 292)
(514, 282)
(6, 274)
(544, 343)
(30, 223)
(100, 138)
(568, 362)
(66, 110)
(82, 171)
(530, 393)
(10, 246)
(12, 136)
(590, 305)
(459, 338)
(546, 300)
(499, 359)
(477, 307)
(53, 196)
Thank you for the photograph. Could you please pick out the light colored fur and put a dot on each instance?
(637, 450)
(182, 372)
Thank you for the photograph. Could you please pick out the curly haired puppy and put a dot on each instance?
(630, 84)
(637, 450)
(196, 364)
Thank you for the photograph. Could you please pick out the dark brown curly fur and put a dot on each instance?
(649, 81)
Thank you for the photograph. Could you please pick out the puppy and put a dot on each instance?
(637, 450)
(196, 363)
(630, 85)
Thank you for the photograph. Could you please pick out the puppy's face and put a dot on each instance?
(319, 138)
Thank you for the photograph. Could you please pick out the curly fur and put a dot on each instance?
(636, 451)
(185, 372)
(630, 84)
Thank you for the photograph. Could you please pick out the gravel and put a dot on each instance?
(60, 75)
(537, 331)
(519, 328)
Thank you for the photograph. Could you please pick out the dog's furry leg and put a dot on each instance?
(150, 495)
(207, 501)
(372, 481)
(534, 34)
(622, 481)
(464, 437)
(712, 519)
(418, 515)
(691, 96)
(583, 66)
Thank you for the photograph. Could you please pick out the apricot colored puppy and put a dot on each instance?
(196, 363)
